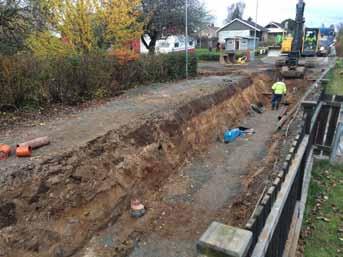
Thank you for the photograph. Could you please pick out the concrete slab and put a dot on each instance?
(224, 241)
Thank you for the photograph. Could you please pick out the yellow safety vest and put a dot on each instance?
(279, 88)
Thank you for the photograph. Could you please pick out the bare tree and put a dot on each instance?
(235, 10)
(166, 17)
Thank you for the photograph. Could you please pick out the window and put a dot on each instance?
(177, 44)
(164, 45)
(190, 43)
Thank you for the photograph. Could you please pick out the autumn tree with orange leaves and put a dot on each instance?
(82, 26)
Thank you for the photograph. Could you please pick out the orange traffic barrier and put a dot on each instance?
(24, 151)
(5, 151)
(36, 143)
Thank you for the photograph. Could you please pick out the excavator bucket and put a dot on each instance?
(298, 72)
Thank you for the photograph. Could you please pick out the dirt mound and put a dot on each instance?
(67, 198)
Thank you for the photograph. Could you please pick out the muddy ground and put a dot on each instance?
(160, 144)
(52, 203)
(223, 184)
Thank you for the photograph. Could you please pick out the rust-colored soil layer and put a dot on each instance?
(72, 198)
(53, 203)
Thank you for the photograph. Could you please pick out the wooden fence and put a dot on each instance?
(271, 222)
(273, 216)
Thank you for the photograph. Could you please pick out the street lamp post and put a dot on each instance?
(253, 55)
(186, 36)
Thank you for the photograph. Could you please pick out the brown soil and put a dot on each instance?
(62, 204)
(61, 201)
(208, 188)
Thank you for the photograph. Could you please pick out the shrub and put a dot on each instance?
(209, 57)
(206, 55)
(27, 80)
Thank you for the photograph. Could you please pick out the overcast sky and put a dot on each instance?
(317, 12)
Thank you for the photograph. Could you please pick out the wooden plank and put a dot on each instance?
(332, 126)
(309, 104)
(337, 136)
(333, 104)
(326, 97)
(308, 118)
(273, 219)
(316, 115)
(324, 148)
(327, 125)
(322, 122)
(299, 213)
(339, 98)
(291, 234)
(286, 117)
(336, 141)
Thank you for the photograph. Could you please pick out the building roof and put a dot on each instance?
(250, 24)
(209, 31)
(276, 24)
(261, 28)
(209, 26)
(274, 27)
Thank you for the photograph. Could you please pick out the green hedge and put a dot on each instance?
(205, 55)
(26, 80)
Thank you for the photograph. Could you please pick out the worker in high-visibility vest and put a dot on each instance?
(279, 90)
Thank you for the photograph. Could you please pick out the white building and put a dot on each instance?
(275, 30)
(239, 35)
(170, 44)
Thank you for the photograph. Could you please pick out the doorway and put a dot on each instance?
(237, 44)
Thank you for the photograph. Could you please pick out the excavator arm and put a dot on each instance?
(292, 69)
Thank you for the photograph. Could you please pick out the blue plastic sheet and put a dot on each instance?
(232, 134)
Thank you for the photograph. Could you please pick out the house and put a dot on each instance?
(275, 31)
(207, 37)
(239, 35)
(174, 43)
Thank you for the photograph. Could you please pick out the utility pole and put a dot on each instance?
(253, 54)
(186, 36)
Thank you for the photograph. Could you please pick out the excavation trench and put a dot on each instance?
(76, 203)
